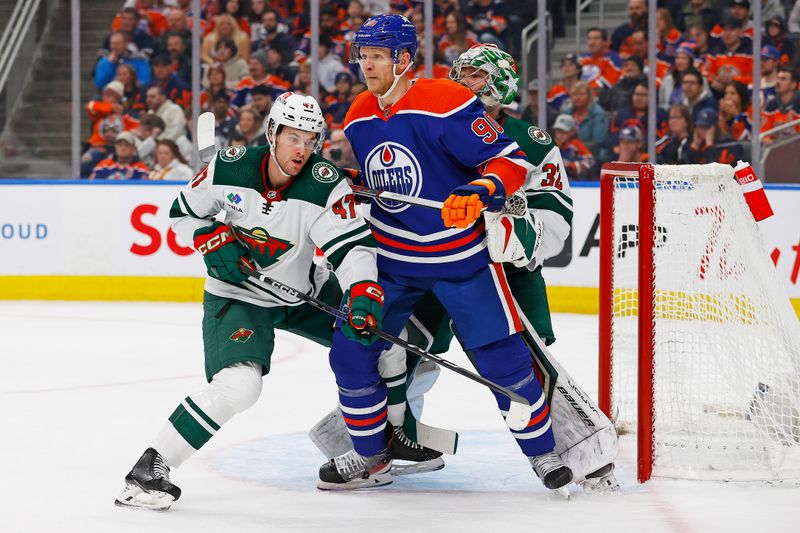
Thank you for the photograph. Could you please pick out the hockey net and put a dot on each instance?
(699, 344)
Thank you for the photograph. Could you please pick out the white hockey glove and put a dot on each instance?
(512, 235)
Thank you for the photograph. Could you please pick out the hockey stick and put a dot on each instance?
(397, 197)
(205, 136)
(519, 410)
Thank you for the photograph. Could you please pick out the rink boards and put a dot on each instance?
(112, 241)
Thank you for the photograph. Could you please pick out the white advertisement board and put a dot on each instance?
(122, 229)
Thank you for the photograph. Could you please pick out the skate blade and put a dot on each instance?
(405, 469)
(135, 497)
(563, 492)
(602, 485)
(375, 480)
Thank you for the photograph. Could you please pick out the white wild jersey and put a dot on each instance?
(281, 228)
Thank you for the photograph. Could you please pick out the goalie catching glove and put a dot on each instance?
(466, 202)
(221, 252)
(512, 235)
(365, 300)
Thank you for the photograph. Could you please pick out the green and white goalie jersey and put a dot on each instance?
(281, 228)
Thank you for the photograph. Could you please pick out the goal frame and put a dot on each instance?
(645, 172)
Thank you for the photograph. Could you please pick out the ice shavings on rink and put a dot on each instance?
(85, 386)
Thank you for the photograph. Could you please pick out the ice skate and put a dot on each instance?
(353, 471)
(555, 475)
(147, 485)
(601, 480)
(415, 458)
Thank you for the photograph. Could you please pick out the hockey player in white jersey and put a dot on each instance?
(280, 202)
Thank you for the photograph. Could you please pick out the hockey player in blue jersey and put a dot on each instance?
(433, 139)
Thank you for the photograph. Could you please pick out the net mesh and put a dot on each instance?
(726, 376)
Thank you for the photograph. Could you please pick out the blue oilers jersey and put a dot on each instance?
(435, 138)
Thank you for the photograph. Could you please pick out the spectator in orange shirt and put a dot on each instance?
(558, 96)
(139, 40)
(637, 20)
(578, 159)
(740, 10)
(600, 67)
(785, 107)
(109, 120)
(457, 39)
(732, 59)
(440, 67)
(639, 45)
(124, 164)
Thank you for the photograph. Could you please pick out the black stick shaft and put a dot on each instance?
(513, 396)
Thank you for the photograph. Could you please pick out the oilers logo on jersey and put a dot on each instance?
(393, 167)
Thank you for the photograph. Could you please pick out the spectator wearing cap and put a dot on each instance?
(139, 41)
(124, 164)
(109, 119)
(170, 163)
(671, 148)
(228, 58)
(261, 96)
(171, 85)
(259, 74)
(671, 92)
(739, 10)
(785, 107)
(118, 54)
(338, 102)
(590, 118)
(578, 159)
(734, 112)
(629, 146)
(637, 20)
(775, 36)
(730, 60)
(635, 114)
(709, 144)
(618, 97)
(698, 12)
(530, 113)
(770, 58)
(170, 112)
(488, 19)
(558, 95)
(600, 67)
(669, 37)
(695, 96)
(133, 95)
(457, 38)
(251, 126)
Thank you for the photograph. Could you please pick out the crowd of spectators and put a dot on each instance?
(704, 85)
(251, 51)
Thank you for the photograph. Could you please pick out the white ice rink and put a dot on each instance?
(84, 386)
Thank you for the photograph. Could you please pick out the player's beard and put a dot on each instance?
(378, 86)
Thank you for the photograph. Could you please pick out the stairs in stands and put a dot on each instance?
(42, 121)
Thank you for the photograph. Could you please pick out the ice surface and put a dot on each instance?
(84, 386)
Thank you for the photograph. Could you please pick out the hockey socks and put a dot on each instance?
(365, 413)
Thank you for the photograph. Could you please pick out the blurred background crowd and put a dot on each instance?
(138, 115)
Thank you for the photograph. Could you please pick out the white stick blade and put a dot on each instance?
(519, 415)
(206, 124)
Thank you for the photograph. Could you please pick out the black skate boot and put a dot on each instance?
(148, 485)
(353, 471)
(416, 458)
(555, 475)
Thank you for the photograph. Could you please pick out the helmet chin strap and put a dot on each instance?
(394, 83)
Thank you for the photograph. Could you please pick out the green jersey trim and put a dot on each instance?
(336, 258)
(553, 201)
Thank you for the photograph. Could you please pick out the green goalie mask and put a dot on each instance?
(500, 73)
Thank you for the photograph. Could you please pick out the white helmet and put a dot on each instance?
(296, 111)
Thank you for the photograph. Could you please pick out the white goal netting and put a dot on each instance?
(726, 343)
